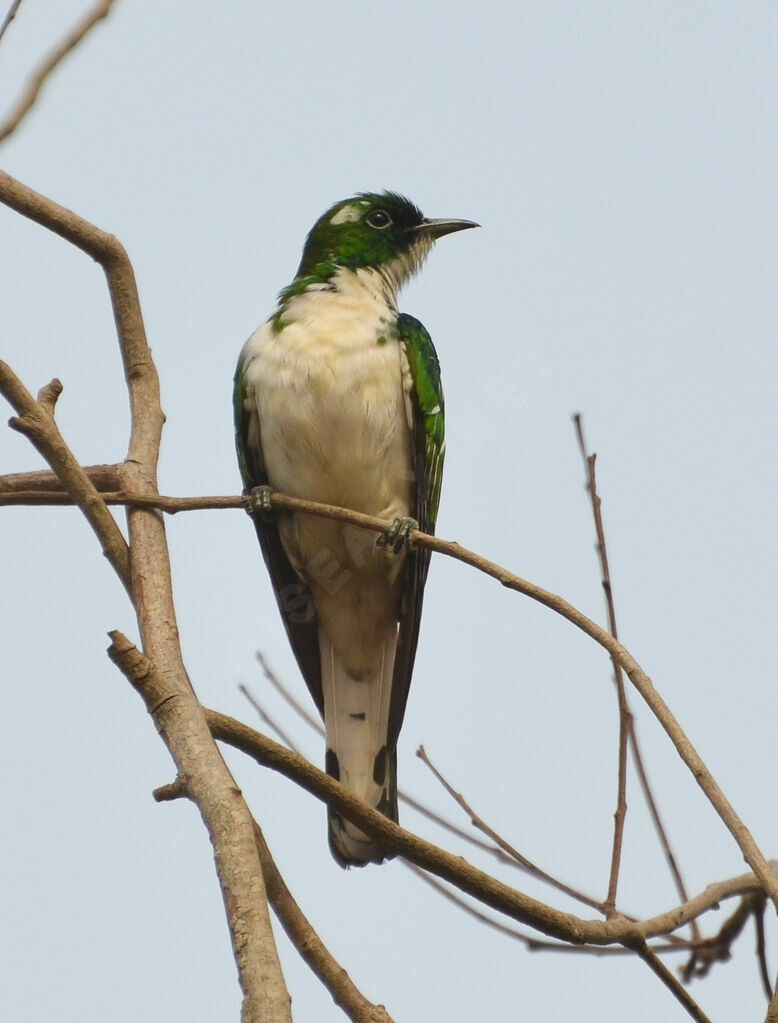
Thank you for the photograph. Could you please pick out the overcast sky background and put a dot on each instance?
(621, 158)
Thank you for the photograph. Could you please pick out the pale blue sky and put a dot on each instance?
(621, 158)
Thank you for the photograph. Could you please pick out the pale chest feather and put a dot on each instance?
(331, 390)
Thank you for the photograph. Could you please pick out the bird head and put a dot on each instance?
(373, 230)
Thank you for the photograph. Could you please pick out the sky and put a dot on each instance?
(621, 159)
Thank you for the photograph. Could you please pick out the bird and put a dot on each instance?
(338, 400)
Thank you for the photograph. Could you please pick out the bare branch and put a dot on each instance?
(27, 99)
(312, 949)
(298, 928)
(211, 787)
(671, 982)
(761, 949)
(514, 854)
(9, 17)
(166, 686)
(280, 688)
(625, 717)
(404, 798)
(104, 477)
(455, 869)
(718, 949)
(36, 421)
(269, 721)
(509, 932)
(559, 605)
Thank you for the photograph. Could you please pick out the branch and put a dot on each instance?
(536, 944)
(404, 798)
(36, 421)
(104, 477)
(211, 787)
(298, 929)
(9, 17)
(455, 869)
(514, 854)
(625, 717)
(312, 949)
(671, 982)
(559, 605)
(166, 686)
(27, 99)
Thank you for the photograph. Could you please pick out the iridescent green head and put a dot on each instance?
(373, 230)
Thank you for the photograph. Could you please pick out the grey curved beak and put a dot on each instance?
(437, 228)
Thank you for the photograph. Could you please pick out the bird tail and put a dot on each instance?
(356, 719)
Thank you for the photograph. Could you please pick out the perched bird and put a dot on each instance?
(338, 400)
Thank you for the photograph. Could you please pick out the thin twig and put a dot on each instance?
(280, 688)
(264, 716)
(161, 676)
(27, 99)
(455, 869)
(103, 477)
(761, 948)
(9, 17)
(718, 949)
(451, 896)
(36, 421)
(521, 860)
(671, 982)
(404, 798)
(637, 754)
(207, 781)
(311, 948)
(559, 605)
(531, 943)
(298, 928)
(625, 718)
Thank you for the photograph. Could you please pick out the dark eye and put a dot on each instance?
(378, 219)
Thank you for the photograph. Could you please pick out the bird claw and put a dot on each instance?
(258, 503)
(398, 536)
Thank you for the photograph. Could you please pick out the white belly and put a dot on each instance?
(331, 392)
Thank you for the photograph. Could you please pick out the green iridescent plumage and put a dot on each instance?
(338, 399)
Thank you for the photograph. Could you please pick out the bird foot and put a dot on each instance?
(398, 536)
(258, 503)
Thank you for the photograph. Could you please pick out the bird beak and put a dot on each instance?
(437, 228)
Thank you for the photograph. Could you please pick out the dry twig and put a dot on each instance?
(27, 99)
(404, 798)
(626, 719)
(514, 854)
(178, 713)
(36, 421)
(456, 870)
(559, 605)
(9, 17)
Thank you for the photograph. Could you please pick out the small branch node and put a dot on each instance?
(178, 789)
(126, 656)
(47, 396)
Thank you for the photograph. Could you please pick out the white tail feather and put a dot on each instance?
(356, 720)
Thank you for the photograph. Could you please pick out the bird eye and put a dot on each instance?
(378, 219)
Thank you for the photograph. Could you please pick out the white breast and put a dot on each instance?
(330, 389)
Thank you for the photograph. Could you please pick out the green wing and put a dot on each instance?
(428, 429)
(427, 449)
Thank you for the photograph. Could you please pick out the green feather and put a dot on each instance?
(429, 444)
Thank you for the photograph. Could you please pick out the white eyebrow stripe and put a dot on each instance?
(346, 214)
